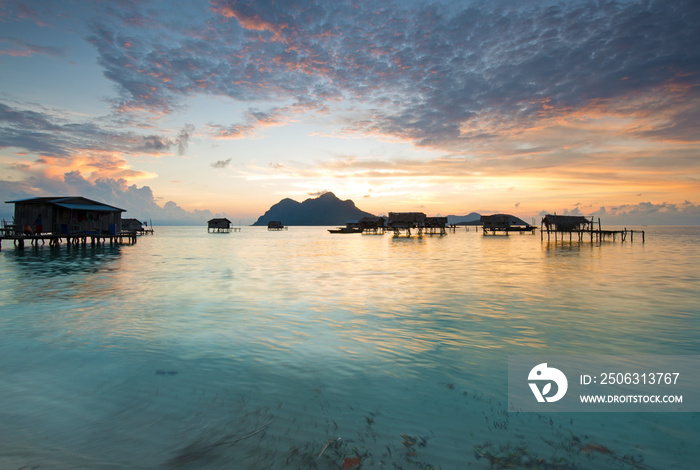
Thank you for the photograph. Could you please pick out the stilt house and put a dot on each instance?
(407, 220)
(275, 225)
(68, 215)
(219, 225)
(504, 223)
(566, 223)
(371, 224)
(132, 225)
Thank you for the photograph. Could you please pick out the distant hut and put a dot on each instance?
(68, 215)
(399, 221)
(560, 225)
(435, 225)
(219, 225)
(504, 223)
(275, 225)
(371, 224)
(406, 219)
(566, 223)
(132, 225)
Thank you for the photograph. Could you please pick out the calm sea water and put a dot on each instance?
(302, 349)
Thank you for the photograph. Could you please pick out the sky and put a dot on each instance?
(182, 110)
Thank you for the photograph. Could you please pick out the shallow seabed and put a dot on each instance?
(301, 349)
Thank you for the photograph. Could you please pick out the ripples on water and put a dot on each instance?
(261, 349)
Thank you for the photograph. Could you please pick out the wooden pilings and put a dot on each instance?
(71, 240)
(597, 235)
(420, 229)
(507, 230)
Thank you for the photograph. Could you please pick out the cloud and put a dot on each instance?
(685, 209)
(255, 119)
(183, 138)
(139, 202)
(568, 94)
(53, 138)
(222, 163)
(436, 75)
(85, 158)
(12, 10)
(642, 213)
(20, 48)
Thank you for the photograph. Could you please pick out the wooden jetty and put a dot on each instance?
(146, 228)
(581, 228)
(75, 239)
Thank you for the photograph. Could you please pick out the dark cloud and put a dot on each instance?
(31, 131)
(432, 73)
(20, 48)
(47, 134)
(183, 138)
(222, 163)
(685, 213)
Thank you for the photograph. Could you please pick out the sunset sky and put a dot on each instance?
(180, 110)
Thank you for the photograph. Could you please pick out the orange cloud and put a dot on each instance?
(91, 165)
(252, 22)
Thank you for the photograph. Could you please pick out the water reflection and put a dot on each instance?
(45, 261)
(366, 338)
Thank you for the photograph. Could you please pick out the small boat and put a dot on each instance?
(346, 230)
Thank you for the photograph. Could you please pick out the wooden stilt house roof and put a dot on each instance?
(221, 222)
(74, 203)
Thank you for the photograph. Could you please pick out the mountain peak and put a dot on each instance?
(323, 196)
(326, 209)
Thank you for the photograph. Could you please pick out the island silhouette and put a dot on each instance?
(326, 210)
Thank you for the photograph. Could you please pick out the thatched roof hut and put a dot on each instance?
(565, 223)
(371, 223)
(502, 221)
(406, 219)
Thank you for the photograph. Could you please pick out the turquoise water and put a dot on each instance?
(302, 349)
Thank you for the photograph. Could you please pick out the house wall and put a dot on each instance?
(26, 214)
(86, 220)
(132, 226)
(56, 219)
